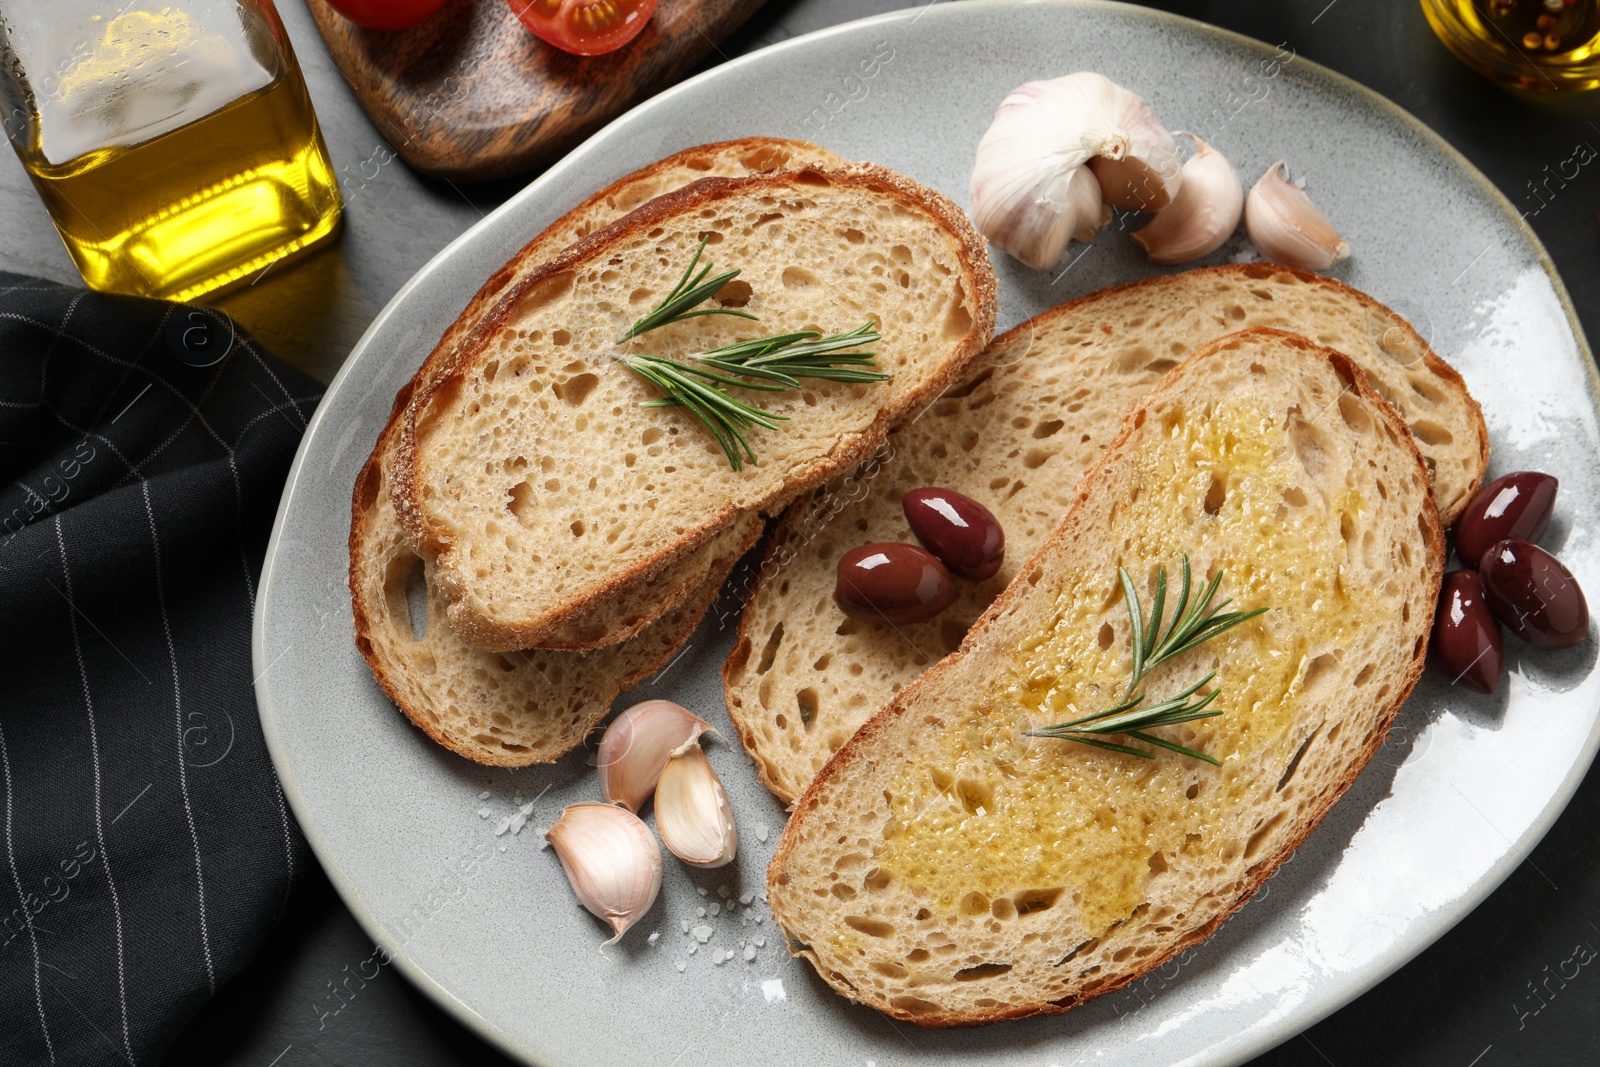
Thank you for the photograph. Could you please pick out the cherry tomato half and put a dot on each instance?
(387, 14)
(584, 27)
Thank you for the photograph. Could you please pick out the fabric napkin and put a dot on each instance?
(148, 849)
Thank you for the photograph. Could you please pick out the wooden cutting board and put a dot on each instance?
(471, 95)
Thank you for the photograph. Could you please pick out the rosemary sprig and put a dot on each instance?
(1199, 624)
(1132, 720)
(1191, 625)
(691, 289)
(773, 364)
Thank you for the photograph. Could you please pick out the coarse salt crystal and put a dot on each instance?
(721, 956)
(761, 942)
(518, 821)
(484, 813)
(772, 989)
(700, 889)
(746, 897)
(483, 795)
(685, 924)
(761, 830)
(692, 949)
(749, 952)
(680, 965)
(715, 909)
(505, 824)
(700, 912)
(655, 935)
(702, 934)
(723, 891)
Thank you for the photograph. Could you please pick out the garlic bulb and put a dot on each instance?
(1027, 196)
(1286, 226)
(611, 859)
(692, 812)
(1202, 216)
(637, 745)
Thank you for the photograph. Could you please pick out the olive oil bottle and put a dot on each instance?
(173, 144)
(1538, 45)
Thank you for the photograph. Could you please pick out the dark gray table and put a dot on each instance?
(1468, 1001)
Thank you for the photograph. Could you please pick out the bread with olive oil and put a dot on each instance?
(524, 707)
(949, 870)
(1016, 435)
(535, 480)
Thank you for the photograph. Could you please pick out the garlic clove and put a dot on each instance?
(1286, 226)
(1027, 194)
(1202, 216)
(692, 811)
(637, 745)
(611, 860)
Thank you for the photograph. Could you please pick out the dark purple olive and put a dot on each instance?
(1533, 594)
(963, 533)
(892, 582)
(1518, 505)
(1466, 638)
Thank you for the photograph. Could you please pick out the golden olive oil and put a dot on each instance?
(1539, 45)
(177, 150)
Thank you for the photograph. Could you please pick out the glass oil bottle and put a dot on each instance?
(173, 142)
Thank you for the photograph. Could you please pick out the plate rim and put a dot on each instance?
(1395, 956)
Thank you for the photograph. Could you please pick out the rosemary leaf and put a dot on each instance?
(691, 289)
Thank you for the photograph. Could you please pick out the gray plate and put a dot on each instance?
(1464, 788)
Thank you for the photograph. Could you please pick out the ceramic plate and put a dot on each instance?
(425, 847)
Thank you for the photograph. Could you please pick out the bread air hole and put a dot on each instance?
(1087, 946)
(769, 652)
(1299, 753)
(870, 927)
(806, 700)
(1216, 495)
(1259, 838)
(981, 971)
(913, 1006)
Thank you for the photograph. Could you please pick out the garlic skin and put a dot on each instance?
(1026, 191)
(692, 811)
(1286, 226)
(611, 860)
(1202, 216)
(638, 744)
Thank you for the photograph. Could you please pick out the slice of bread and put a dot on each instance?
(609, 619)
(1017, 435)
(536, 481)
(520, 708)
(507, 709)
(949, 870)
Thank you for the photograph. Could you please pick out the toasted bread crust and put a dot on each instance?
(432, 542)
(808, 802)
